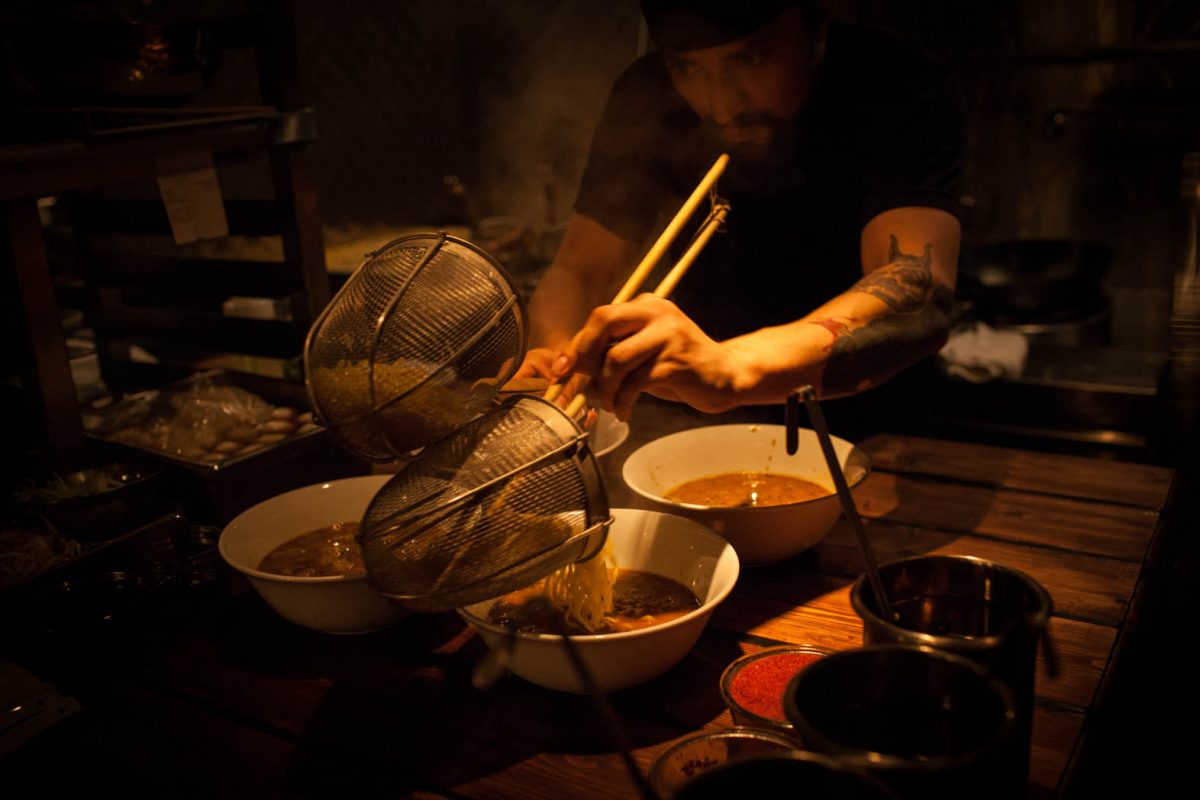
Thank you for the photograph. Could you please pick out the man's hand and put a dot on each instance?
(539, 363)
(550, 363)
(590, 263)
(649, 345)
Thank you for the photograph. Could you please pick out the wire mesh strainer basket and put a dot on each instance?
(510, 497)
(414, 346)
(410, 355)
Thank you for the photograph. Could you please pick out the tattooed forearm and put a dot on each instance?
(838, 326)
(919, 318)
(904, 282)
(875, 352)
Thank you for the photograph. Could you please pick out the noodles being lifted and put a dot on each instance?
(584, 590)
(594, 597)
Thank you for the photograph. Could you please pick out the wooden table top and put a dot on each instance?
(289, 711)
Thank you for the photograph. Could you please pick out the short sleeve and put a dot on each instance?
(918, 147)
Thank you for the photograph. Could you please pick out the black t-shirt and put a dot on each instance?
(882, 128)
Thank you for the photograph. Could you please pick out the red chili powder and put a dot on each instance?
(758, 686)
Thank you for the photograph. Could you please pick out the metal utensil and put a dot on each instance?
(415, 345)
(504, 501)
(410, 355)
(809, 395)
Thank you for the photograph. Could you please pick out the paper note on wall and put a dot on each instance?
(188, 183)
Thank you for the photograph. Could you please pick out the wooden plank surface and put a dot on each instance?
(1070, 476)
(604, 776)
(1083, 526)
(321, 689)
(1082, 586)
(136, 738)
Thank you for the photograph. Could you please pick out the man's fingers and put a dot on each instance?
(614, 344)
(622, 360)
(631, 387)
(538, 363)
(572, 386)
(526, 383)
(604, 325)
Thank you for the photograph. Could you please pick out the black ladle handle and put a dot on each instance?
(609, 717)
(839, 481)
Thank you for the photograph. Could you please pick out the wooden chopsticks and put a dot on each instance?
(715, 218)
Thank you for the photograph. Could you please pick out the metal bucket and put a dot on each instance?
(927, 723)
(971, 607)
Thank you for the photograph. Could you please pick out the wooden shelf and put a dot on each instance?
(28, 172)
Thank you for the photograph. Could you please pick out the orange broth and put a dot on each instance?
(742, 489)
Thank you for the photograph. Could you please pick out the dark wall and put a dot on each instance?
(501, 94)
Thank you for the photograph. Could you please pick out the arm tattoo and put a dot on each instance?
(838, 326)
(919, 318)
(904, 282)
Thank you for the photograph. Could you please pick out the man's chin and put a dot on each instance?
(756, 154)
(751, 166)
(749, 141)
(753, 151)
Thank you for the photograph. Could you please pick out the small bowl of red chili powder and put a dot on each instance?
(753, 685)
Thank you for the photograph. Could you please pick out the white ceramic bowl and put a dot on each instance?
(763, 534)
(607, 434)
(664, 544)
(335, 604)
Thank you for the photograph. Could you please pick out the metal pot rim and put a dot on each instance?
(1036, 619)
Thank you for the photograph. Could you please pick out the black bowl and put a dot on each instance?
(135, 499)
(928, 723)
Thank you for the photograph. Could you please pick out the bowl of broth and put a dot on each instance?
(668, 575)
(298, 551)
(740, 481)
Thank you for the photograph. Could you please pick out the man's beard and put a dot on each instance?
(757, 166)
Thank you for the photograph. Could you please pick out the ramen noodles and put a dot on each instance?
(639, 599)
